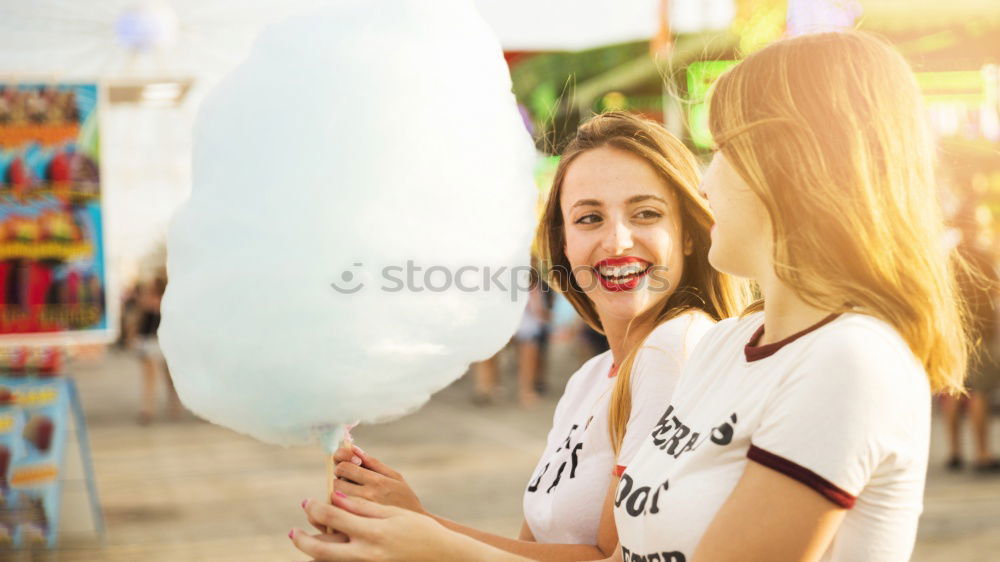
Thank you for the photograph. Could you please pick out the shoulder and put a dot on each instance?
(861, 341)
(856, 374)
(595, 368)
(679, 334)
(860, 354)
(733, 332)
(668, 348)
(591, 374)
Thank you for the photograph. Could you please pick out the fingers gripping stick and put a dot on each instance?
(331, 476)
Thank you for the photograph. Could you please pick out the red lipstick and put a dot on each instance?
(617, 276)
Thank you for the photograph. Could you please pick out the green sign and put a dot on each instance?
(700, 77)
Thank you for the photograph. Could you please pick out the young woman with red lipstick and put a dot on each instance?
(624, 237)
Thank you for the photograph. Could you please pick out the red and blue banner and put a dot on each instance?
(53, 274)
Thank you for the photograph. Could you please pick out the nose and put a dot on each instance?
(618, 238)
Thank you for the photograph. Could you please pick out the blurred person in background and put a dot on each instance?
(529, 341)
(979, 288)
(530, 338)
(149, 296)
(547, 305)
(486, 377)
(128, 317)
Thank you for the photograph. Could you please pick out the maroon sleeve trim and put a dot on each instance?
(619, 470)
(825, 488)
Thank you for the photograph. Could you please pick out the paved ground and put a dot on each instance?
(190, 491)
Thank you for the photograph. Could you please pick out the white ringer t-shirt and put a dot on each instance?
(843, 407)
(564, 497)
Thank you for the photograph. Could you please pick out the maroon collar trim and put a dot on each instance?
(755, 352)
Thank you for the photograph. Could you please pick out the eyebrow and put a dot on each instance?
(631, 201)
(587, 203)
(641, 198)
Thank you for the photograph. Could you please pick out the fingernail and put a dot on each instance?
(356, 460)
(340, 494)
(291, 534)
(305, 502)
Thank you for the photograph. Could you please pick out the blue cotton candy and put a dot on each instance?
(354, 140)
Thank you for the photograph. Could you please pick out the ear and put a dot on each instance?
(688, 245)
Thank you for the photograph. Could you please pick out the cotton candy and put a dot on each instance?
(354, 144)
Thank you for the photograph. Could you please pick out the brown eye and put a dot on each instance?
(648, 214)
(588, 219)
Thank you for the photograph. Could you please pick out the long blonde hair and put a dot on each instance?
(828, 130)
(701, 287)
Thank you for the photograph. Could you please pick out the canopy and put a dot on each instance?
(571, 25)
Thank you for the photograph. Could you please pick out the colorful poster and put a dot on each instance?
(34, 411)
(53, 275)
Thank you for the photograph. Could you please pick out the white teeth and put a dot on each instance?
(621, 271)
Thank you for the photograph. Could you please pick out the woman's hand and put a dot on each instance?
(379, 532)
(363, 476)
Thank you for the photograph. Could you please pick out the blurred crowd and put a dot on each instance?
(974, 239)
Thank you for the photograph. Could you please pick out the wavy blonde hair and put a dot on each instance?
(701, 287)
(829, 131)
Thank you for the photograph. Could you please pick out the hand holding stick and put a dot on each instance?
(331, 476)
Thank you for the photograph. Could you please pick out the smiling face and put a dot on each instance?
(741, 238)
(623, 235)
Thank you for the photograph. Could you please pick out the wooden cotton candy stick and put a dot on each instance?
(330, 477)
(347, 442)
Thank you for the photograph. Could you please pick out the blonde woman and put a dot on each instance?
(814, 406)
(624, 237)
(798, 431)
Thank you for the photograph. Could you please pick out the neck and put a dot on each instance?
(784, 312)
(621, 342)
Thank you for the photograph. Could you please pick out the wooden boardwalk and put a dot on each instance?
(191, 491)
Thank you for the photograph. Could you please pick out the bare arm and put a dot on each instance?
(525, 534)
(377, 482)
(790, 521)
(528, 549)
(367, 531)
